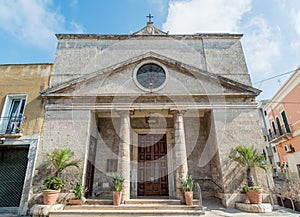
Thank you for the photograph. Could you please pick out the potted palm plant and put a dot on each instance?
(78, 191)
(53, 186)
(118, 180)
(187, 185)
(248, 157)
(59, 160)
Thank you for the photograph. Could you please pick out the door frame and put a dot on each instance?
(155, 182)
(32, 142)
(134, 159)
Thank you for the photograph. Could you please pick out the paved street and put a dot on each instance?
(214, 209)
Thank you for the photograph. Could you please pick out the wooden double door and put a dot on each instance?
(152, 165)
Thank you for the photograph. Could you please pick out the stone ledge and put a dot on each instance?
(257, 208)
(40, 210)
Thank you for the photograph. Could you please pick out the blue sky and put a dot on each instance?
(271, 28)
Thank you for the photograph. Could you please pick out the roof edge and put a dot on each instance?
(128, 36)
(24, 64)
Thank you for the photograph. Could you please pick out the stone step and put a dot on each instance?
(123, 213)
(153, 201)
(133, 207)
(98, 202)
(158, 201)
(139, 201)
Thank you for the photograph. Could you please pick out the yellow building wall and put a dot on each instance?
(28, 79)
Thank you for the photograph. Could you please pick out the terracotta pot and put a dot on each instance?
(75, 202)
(50, 196)
(188, 195)
(255, 196)
(117, 197)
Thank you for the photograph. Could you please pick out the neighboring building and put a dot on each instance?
(22, 115)
(269, 149)
(283, 112)
(154, 107)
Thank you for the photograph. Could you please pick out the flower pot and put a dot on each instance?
(188, 195)
(255, 196)
(117, 195)
(75, 202)
(50, 196)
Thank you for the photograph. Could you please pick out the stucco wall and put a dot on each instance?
(27, 79)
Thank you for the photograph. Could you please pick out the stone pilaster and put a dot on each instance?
(180, 151)
(124, 152)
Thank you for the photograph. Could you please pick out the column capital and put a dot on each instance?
(177, 111)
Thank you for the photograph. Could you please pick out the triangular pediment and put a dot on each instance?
(150, 29)
(182, 79)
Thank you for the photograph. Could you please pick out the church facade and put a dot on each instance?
(152, 106)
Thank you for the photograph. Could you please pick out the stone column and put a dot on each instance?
(180, 151)
(124, 152)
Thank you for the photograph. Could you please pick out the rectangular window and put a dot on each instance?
(12, 115)
(274, 128)
(279, 126)
(285, 121)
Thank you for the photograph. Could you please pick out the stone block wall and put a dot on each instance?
(77, 56)
(203, 165)
(62, 129)
(107, 148)
(235, 127)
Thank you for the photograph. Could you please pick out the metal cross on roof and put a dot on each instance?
(149, 17)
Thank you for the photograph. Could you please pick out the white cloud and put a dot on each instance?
(262, 46)
(32, 21)
(296, 20)
(191, 16)
(261, 42)
(76, 27)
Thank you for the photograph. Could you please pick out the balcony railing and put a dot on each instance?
(280, 134)
(11, 125)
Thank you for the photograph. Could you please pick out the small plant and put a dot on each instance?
(248, 157)
(79, 191)
(118, 180)
(62, 159)
(188, 183)
(247, 188)
(53, 183)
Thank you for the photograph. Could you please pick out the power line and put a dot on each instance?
(276, 76)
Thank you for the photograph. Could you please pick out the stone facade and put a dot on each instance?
(97, 108)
